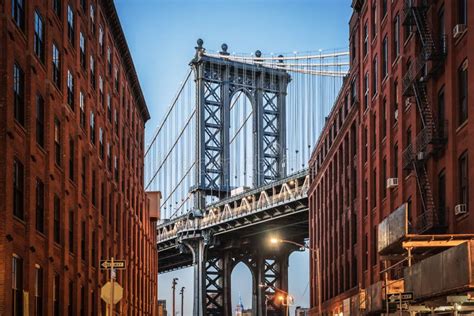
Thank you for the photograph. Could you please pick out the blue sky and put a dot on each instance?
(162, 34)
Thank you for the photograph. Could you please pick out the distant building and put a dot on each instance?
(162, 308)
(301, 311)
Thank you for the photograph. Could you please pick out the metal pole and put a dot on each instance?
(182, 300)
(112, 278)
(173, 286)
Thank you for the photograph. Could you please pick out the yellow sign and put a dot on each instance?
(111, 292)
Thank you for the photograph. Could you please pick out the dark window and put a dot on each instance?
(366, 145)
(94, 249)
(408, 135)
(17, 285)
(92, 17)
(82, 109)
(70, 307)
(384, 8)
(83, 174)
(94, 189)
(70, 24)
(462, 12)
(384, 177)
(366, 39)
(366, 90)
(365, 246)
(83, 302)
(109, 61)
(18, 189)
(57, 7)
(83, 240)
(109, 108)
(366, 197)
(395, 104)
(442, 31)
(375, 76)
(374, 131)
(18, 94)
(442, 197)
(71, 159)
(39, 36)
(39, 120)
(56, 67)
(373, 191)
(82, 47)
(101, 143)
(92, 127)
(92, 71)
(395, 161)
(56, 291)
(71, 231)
(57, 141)
(374, 19)
(396, 36)
(38, 291)
(18, 13)
(462, 75)
(384, 118)
(441, 112)
(83, 5)
(39, 206)
(385, 57)
(463, 179)
(70, 89)
(57, 220)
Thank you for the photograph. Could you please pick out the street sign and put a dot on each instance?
(107, 264)
(111, 292)
(404, 297)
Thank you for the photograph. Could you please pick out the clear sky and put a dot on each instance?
(162, 34)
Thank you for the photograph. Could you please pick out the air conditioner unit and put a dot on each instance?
(421, 155)
(392, 183)
(460, 209)
(459, 30)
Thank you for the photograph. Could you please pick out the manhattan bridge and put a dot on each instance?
(230, 158)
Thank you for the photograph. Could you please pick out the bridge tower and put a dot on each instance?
(218, 79)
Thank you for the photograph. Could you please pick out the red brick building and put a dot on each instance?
(71, 162)
(399, 134)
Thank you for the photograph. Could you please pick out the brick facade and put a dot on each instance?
(95, 185)
(391, 124)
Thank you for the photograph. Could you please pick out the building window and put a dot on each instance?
(56, 67)
(109, 108)
(39, 36)
(366, 39)
(70, 24)
(366, 90)
(374, 131)
(83, 174)
(18, 189)
(116, 79)
(94, 189)
(38, 290)
(92, 127)
(82, 109)
(109, 157)
(17, 285)
(83, 5)
(408, 137)
(384, 8)
(71, 231)
(442, 197)
(101, 90)
(70, 306)
(109, 61)
(374, 76)
(384, 118)
(441, 112)
(395, 104)
(82, 48)
(92, 17)
(385, 57)
(18, 13)
(463, 105)
(39, 120)
(366, 253)
(18, 94)
(56, 291)
(92, 71)
(374, 19)
(70, 89)
(39, 205)
(101, 143)
(395, 161)
(373, 190)
(71, 159)
(463, 179)
(57, 141)
(366, 197)
(83, 240)
(57, 8)
(101, 40)
(57, 218)
(384, 177)
(462, 12)
(396, 36)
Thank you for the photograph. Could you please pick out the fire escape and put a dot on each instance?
(432, 137)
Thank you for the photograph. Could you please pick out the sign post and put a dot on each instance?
(112, 292)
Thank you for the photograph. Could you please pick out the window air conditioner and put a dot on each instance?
(460, 209)
(392, 183)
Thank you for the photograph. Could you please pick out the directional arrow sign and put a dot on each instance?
(107, 264)
(109, 290)
(405, 297)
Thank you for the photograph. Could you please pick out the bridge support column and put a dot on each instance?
(272, 275)
(197, 247)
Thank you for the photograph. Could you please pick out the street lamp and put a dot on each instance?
(275, 241)
(173, 286)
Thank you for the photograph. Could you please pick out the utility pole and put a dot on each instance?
(173, 286)
(182, 300)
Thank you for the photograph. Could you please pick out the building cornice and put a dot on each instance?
(113, 20)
